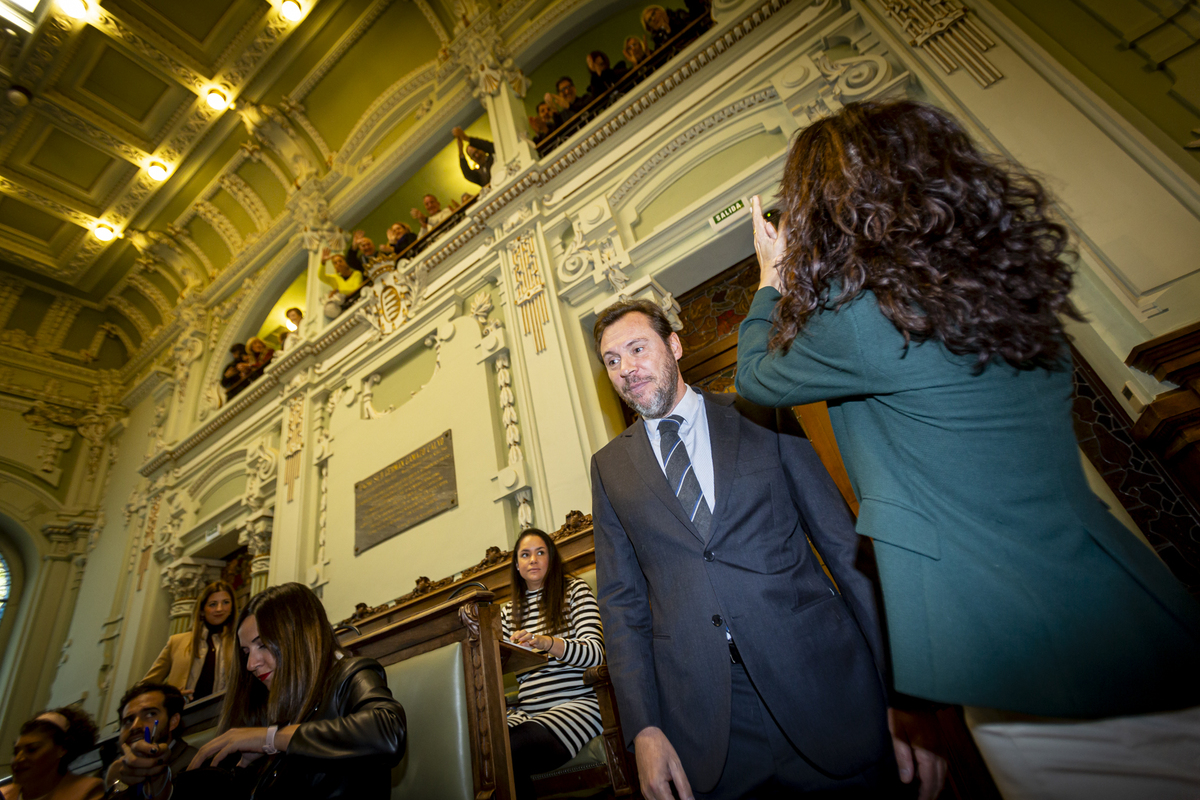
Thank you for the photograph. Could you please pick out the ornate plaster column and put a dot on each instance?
(257, 536)
(317, 232)
(184, 579)
(500, 86)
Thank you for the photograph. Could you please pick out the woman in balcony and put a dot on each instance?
(345, 282)
(305, 719)
(551, 612)
(918, 286)
(198, 661)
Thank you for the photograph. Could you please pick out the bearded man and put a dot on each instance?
(740, 668)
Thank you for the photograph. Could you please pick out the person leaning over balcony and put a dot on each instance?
(603, 75)
(480, 151)
(197, 662)
(556, 713)
(261, 354)
(918, 286)
(306, 719)
(345, 281)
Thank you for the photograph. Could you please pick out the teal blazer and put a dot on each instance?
(1006, 582)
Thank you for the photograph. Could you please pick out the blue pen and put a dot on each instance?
(147, 734)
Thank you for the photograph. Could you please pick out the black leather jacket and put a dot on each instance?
(347, 746)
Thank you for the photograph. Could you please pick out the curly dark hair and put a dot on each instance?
(956, 245)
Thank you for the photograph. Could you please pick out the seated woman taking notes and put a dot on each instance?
(556, 714)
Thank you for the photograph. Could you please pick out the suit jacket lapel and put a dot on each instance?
(723, 435)
(642, 455)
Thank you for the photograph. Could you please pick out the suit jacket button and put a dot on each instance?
(709, 555)
(717, 621)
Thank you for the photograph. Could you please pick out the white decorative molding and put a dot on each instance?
(247, 198)
(221, 224)
(57, 322)
(133, 314)
(343, 46)
(295, 110)
(160, 52)
(394, 96)
(945, 30)
(433, 21)
(151, 292)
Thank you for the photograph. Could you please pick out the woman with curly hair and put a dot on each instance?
(919, 287)
(45, 746)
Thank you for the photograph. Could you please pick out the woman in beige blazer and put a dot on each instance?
(197, 661)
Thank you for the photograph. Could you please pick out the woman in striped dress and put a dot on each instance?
(556, 714)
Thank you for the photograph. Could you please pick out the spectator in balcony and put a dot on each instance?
(635, 51)
(262, 354)
(604, 76)
(433, 215)
(400, 236)
(197, 661)
(232, 376)
(467, 197)
(662, 24)
(546, 122)
(480, 151)
(567, 100)
(345, 281)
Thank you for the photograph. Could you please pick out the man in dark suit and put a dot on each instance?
(739, 666)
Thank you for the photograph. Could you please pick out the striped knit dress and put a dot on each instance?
(555, 695)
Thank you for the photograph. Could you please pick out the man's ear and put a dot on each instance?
(174, 722)
(675, 345)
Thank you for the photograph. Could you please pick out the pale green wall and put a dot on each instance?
(1099, 57)
(705, 176)
(293, 296)
(403, 379)
(221, 493)
(397, 43)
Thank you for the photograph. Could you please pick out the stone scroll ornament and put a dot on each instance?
(944, 30)
(295, 444)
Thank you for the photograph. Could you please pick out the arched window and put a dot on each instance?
(5, 584)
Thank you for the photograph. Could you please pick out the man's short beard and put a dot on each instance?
(663, 399)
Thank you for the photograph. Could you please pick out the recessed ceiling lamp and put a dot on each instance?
(104, 233)
(74, 8)
(157, 170)
(291, 10)
(217, 99)
(19, 96)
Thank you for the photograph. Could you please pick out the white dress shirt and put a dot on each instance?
(693, 432)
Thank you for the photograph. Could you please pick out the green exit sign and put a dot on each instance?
(728, 211)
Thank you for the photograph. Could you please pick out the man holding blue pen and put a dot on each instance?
(151, 748)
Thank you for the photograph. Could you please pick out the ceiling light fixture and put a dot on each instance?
(291, 10)
(217, 99)
(74, 8)
(104, 233)
(157, 170)
(19, 96)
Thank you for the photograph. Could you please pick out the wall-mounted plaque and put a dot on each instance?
(405, 493)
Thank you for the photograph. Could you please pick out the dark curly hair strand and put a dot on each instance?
(958, 246)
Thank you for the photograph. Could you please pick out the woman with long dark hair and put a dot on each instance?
(198, 661)
(552, 612)
(919, 287)
(308, 720)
